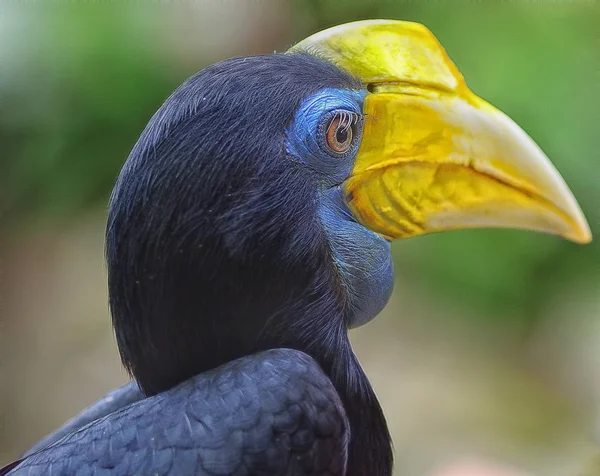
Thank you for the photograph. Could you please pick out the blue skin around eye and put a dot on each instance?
(303, 133)
(363, 258)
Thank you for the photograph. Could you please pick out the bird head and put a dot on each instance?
(257, 208)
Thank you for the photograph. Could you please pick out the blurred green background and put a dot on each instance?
(490, 345)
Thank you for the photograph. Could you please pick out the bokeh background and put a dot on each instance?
(490, 347)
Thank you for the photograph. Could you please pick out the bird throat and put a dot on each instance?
(367, 275)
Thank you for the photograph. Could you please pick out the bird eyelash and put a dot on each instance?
(347, 119)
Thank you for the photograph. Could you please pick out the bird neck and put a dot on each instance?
(327, 341)
(370, 447)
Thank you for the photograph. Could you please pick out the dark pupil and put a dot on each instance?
(341, 135)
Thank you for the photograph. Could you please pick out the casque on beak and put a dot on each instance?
(434, 156)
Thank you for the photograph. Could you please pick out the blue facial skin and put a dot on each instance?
(362, 257)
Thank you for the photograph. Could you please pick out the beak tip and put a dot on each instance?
(582, 235)
(578, 230)
(581, 232)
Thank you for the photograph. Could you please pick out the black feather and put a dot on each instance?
(274, 413)
(215, 251)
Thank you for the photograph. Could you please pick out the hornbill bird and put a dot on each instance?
(250, 229)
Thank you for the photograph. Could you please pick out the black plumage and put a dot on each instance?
(274, 412)
(111, 402)
(216, 252)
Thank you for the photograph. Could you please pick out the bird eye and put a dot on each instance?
(341, 131)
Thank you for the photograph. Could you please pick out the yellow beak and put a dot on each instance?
(434, 156)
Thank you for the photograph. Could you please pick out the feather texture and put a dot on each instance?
(273, 413)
